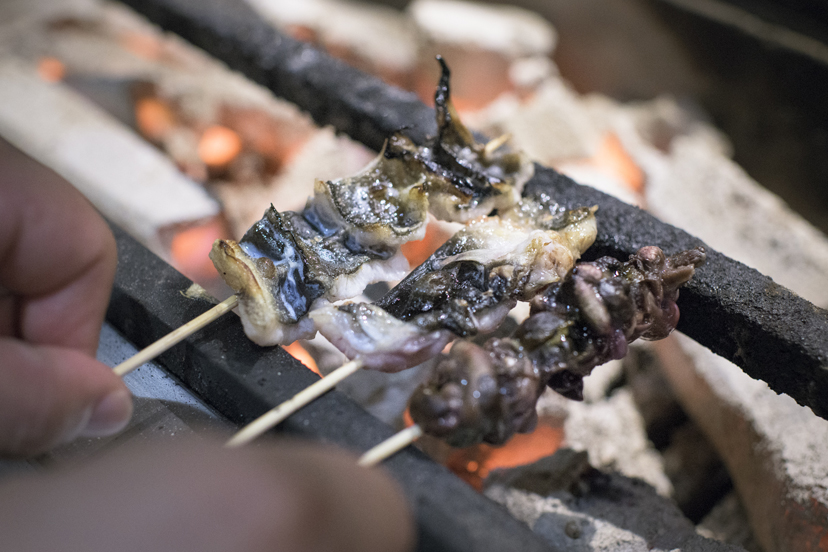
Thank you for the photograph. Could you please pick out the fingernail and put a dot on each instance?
(109, 416)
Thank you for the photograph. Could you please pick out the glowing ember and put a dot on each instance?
(613, 158)
(302, 355)
(190, 249)
(302, 32)
(418, 251)
(407, 420)
(277, 140)
(218, 146)
(51, 69)
(154, 118)
(473, 464)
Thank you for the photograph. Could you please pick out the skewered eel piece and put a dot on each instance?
(486, 394)
(349, 234)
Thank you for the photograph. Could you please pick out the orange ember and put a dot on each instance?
(51, 69)
(302, 355)
(302, 32)
(218, 146)
(613, 158)
(275, 140)
(473, 464)
(407, 419)
(154, 118)
(418, 251)
(190, 249)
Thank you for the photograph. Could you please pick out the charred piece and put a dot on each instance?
(466, 179)
(486, 394)
(347, 237)
(467, 287)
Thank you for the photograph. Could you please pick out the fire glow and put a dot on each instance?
(473, 464)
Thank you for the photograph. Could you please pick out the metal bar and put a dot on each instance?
(738, 313)
(242, 380)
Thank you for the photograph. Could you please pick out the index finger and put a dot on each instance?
(57, 258)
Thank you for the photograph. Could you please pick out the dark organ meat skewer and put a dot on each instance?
(488, 393)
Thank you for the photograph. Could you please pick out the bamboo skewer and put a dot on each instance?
(272, 417)
(496, 143)
(391, 446)
(278, 414)
(175, 336)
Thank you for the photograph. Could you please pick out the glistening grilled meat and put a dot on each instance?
(467, 287)
(347, 237)
(486, 394)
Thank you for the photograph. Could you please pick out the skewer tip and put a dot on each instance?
(174, 337)
(391, 446)
(276, 415)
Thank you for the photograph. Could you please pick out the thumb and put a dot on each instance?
(50, 395)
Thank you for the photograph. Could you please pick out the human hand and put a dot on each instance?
(185, 495)
(57, 263)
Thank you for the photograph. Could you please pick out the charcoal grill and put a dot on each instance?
(738, 313)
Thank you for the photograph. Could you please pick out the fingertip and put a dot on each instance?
(360, 509)
(51, 395)
(109, 416)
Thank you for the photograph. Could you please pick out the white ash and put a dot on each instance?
(727, 522)
(602, 380)
(714, 199)
(530, 72)
(691, 183)
(508, 30)
(127, 179)
(776, 458)
(24, 13)
(324, 156)
(612, 432)
(551, 127)
(380, 35)
(580, 509)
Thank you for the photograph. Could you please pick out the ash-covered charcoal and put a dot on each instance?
(287, 263)
(384, 205)
(466, 178)
(576, 324)
(468, 286)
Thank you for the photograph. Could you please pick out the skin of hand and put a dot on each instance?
(192, 495)
(57, 264)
